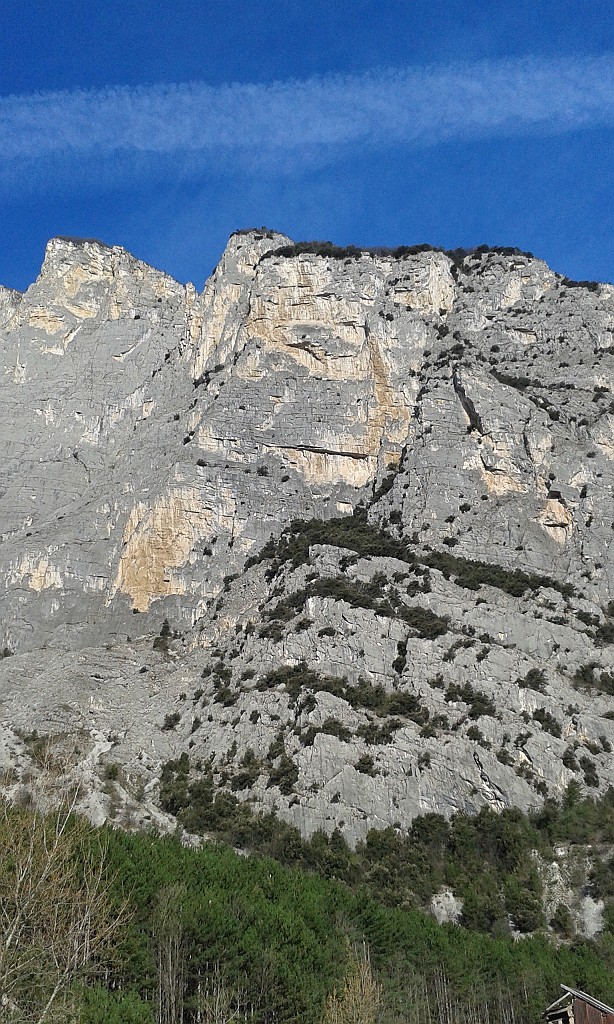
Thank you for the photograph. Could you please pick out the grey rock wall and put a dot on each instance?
(154, 439)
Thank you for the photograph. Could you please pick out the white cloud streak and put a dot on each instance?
(415, 107)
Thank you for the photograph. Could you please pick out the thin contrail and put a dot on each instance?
(403, 106)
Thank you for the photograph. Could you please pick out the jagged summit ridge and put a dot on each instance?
(307, 366)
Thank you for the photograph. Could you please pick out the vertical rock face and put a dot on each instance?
(444, 641)
(153, 438)
(86, 354)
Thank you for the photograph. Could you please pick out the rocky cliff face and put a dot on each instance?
(441, 640)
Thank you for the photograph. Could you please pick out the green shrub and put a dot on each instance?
(604, 634)
(586, 678)
(535, 679)
(296, 678)
(426, 623)
(400, 661)
(478, 702)
(271, 631)
(354, 532)
(366, 765)
(588, 618)
(591, 777)
(284, 775)
(162, 642)
(591, 286)
(333, 727)
(473, 574)
(372, 733)
(561, 921)
(476, 734)
(407, 705)
(362, 695)
(171, 720)
(504, 756)
(522, 892)
(226, 696)
(251, 769)
(277, 747)
(520, 383)
(547, 722)
(330, 727)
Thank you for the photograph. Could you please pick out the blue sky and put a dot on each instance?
(164, 126)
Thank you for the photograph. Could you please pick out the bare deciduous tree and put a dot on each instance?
(56, 917)
(168, 937)
(359, 1000)
(216, 1003)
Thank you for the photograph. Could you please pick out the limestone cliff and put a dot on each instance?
(445, 642)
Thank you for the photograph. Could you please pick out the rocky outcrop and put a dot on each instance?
(442, 640)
